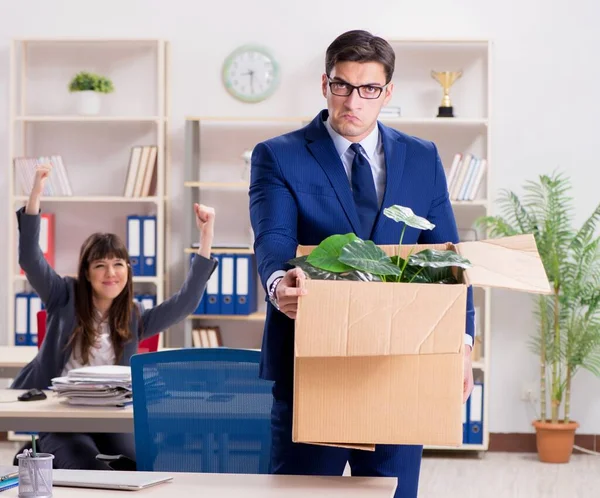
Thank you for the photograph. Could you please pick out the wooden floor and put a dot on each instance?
(494, 475)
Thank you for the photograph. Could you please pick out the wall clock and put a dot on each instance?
(250, 73)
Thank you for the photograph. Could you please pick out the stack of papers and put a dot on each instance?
(106, 385)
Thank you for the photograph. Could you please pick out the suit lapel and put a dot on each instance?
(322, 148)
(394, 152)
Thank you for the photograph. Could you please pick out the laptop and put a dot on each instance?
(108, 479)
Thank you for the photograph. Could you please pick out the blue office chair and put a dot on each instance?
(201, 410)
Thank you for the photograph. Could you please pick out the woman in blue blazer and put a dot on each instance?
(93, 320)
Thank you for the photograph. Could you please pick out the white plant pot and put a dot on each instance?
(88, 102)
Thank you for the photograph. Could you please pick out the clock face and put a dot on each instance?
(250, 74)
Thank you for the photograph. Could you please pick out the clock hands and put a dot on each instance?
(250, 73)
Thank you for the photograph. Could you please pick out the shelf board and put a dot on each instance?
(219, 185)
(250, 119)
(80, 119)
(476, 202)
(253, 317)
(479, 365)
(89, 40)
(91, 198)
(152, 280)
(449, 122)
(221, 250)
(463, 447)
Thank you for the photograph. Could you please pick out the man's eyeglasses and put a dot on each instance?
(343, 89)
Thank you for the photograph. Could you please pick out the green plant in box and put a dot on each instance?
(348, 257)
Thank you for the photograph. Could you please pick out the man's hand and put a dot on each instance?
(287, 292)
(468, 374)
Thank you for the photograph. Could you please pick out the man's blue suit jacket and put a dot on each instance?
(300, 194)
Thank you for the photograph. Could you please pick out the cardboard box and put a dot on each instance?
(382, 363)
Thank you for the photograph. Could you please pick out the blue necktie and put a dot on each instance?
(363, 190)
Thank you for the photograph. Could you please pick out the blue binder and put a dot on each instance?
(147, 301)
(476, 415)
(213, 289)
(245, 284)
(34, 306)
(21, 318)
(148, 246)
(134, 243)
(227, 276)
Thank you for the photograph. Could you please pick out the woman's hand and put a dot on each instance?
(205, 221)
(42, 173)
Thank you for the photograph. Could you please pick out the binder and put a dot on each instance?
(213, 288)
(476, 415)
(134, 244)
(245, 284)
(201, 308)
(227, 266)
(147, 301)
(148, 246)
(35, 306)
(21, 318)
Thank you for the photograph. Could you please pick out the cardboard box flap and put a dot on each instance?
(510, 263)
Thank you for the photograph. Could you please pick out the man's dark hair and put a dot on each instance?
(360, 46)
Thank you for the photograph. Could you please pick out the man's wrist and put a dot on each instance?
(273, 291)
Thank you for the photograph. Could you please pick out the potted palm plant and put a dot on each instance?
(88, 87)
(568, 335)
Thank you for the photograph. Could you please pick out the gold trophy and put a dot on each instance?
(446, 79)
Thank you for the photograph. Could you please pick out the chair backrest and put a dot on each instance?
(41, 327)
(146, 346)
(201, 410)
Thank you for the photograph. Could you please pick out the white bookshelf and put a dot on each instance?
(214, 145)
(95, 148)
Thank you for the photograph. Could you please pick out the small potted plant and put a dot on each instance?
(88, 87)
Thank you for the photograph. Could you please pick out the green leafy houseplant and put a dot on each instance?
(568, 337)
(348, 257)
(86, 81)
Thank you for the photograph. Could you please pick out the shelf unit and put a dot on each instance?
(95, 148)
(419, 95)
(215, 173)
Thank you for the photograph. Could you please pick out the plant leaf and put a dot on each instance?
(425, 275)
(318, 274)
(326, 255)
(406, 215)
(366, 256)
(434, 258)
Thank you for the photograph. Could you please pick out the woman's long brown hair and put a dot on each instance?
(100, 246)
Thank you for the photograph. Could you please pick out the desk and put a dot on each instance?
(246, 486)
(14, 358)
(49, 415)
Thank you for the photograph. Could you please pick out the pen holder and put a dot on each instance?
(35, 475)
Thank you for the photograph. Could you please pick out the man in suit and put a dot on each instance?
(335, 176)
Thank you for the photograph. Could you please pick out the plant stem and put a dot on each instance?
(400, 245)
(544, 332)
(422, 268)
(556, 359)
(568, 396)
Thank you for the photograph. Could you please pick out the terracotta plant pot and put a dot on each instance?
(555, 441)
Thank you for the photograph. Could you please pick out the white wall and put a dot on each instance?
(545, 104)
